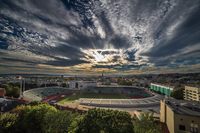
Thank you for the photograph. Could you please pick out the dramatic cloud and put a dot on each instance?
(99, 35)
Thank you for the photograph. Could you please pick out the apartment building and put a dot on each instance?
(192, 93)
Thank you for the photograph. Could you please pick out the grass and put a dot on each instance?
(76, 96)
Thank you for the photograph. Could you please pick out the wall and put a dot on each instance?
(161, 89)
(187, 121)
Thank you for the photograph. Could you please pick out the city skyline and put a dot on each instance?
(130, 37)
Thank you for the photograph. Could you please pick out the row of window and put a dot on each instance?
(191, 98)
(193, 128)
(191, 91)
(190, 95)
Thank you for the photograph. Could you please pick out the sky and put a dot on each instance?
(95, 36)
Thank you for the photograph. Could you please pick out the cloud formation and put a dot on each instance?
(99, 35)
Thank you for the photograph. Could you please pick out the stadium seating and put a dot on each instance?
(40, 93)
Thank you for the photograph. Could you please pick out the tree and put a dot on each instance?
(105, 121)
(178, 94)
(31, 118)
(8, 122)
(12, 89)
(34, 103)
(146, 124)
(44, 118)
(58, 122)
(74, 126)
(121, 81)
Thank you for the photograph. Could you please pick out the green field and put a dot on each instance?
(76, 96)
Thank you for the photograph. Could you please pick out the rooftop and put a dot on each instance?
(193, 86)
(184, 107)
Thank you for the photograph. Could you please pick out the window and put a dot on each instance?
(193, 128)
(182, 127)
(76, 85)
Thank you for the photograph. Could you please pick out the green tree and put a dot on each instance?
(121, 81)
(31, 118)
(44, 118)
(58, 122)
(146, 124)
(8, 122)
(74, 126)
(34, 103)
(12, 90)
(178, 94)
(105, 121)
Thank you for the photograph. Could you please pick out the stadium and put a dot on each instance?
(102, 96)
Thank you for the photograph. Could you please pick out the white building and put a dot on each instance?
(81, 84)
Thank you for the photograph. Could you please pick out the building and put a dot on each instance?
(166, 90)
(8, 104)
(81, 84)
(192, 93)
(180, 116)
(2, 92)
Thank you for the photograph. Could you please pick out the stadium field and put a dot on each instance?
(76, 96)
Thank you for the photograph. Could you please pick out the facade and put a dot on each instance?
(166, 90)
(192, 93)
(179, 116)
(81, 84)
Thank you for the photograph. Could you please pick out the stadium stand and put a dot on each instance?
(39, 94)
